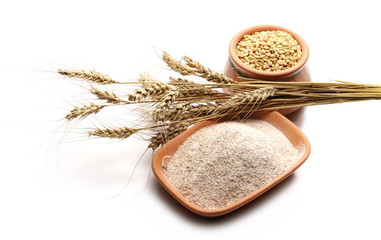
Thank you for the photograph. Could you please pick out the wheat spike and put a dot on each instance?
(176, 65)
(191, 89)
(110, 97)
(207, 73)
(83, 111)
(150, 89)
(205, 111)
(91, 76)
(195, 68)
(161, 111)
(254, 96)
(175, 112)
(145, 78)
(120, 133)
(167, 134)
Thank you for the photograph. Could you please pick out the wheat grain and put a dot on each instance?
(269, 50)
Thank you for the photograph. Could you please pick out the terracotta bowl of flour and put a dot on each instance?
(285, 126)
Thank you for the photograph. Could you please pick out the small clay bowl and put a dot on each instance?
(239, 71)
(292, 132)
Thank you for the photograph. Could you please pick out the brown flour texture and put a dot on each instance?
(224, 162)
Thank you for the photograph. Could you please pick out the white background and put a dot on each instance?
(64, 189)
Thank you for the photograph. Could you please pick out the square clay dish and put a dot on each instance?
(289, 129)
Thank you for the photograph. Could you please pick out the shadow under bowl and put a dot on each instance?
(290, 130)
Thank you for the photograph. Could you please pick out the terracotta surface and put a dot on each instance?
(291, 131)
(237, 70)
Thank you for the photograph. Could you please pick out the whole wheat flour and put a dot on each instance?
(224, 162)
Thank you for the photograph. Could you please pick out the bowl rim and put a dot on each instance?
(274, 118)
(255, 72)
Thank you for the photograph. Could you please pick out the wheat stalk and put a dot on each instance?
(179, 103)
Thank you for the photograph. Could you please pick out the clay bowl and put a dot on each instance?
(292, 132)
(237, 70)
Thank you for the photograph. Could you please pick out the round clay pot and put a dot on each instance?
(237, 70)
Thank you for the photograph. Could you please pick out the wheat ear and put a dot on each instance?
(83, 111)
(175, 112)
(164, 135)
(161, 111)
(176, 65)
(254, 96)
(191, 89)
(120, 133)
(207, 73)
(91, 76)
(150, 89)
(110, 97)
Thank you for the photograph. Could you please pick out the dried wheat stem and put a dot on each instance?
(178, 104)
(120, 133)
(83, 111)
(91, 76)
